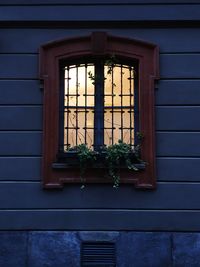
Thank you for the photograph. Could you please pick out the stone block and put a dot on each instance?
(54, 249)
(186, 249)
(144, 249)
(98, 236)
(13, 249)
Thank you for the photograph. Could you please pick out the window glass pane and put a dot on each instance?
(107, 118)
(81, 85)
(119, 97)
(90, 85)
(108, 137)
(79, 100)
(117, 125)
(107, 80)
(117, 85)
(128, 126)
(79, 105)
(90, 127)
(71, 87)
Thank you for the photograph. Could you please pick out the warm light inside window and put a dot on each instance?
(119, 104)
(79, 100)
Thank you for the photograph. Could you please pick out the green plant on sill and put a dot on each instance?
(117, 154)
(86, 156)
(114, 155)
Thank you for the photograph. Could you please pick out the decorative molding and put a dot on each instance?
(98, 43)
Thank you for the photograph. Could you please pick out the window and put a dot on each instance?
(99, 104)
(98, 89)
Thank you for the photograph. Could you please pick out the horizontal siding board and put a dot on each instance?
(18, 66)
(168, 40)
(178, 144)
(20, 118)
(100, 220)
(20, 143)
(26, 41)
(86, 2)
(20, 168)
(168, 169)
(178, 92)
(168, 118)
(178, 169)
(30, 195)
(172, 66)
(169, 92)
(178, 118)
(180, 66)
(101, 13)
(28, 143)
(20, 92)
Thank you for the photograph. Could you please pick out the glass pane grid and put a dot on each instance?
(79, 106)
(119, 104)
(81, 115)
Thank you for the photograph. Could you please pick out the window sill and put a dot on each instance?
(70, 160)
(98, 165)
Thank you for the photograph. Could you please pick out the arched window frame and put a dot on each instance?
(97, 44)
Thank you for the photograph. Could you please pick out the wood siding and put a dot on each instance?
(175, 205)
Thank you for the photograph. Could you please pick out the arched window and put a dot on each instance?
(98, 89)
(98, 103)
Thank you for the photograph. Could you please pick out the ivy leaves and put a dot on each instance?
(112, 157)
(116, 155)
(86, 157)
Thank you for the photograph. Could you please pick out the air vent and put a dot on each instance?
(95, 254)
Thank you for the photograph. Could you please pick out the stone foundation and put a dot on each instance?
(63, 248)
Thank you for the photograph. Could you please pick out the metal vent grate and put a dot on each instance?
(95, 254)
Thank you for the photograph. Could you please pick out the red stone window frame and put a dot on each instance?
(98, 44)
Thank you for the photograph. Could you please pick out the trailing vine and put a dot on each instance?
(86, 157)
(115, 156)
(92, 77)
(110, 62)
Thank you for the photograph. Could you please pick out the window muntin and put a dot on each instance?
(99, 104)
(79, 96)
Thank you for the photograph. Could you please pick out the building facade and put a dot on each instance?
(63, 227)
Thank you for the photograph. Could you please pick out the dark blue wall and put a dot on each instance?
(175, 205)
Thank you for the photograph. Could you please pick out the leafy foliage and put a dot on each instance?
(86, 156)
(116, 155)
(110, 63)
(91, 77)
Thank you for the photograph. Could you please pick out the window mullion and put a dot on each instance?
(99, 106)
